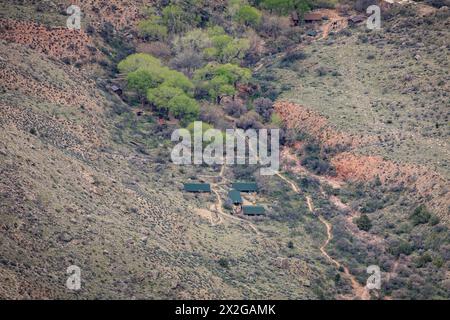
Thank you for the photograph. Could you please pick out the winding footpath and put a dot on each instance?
(359, 291)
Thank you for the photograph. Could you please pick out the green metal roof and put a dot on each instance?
(245, 186)
(235, 196)
(253, 210)
(197, 187)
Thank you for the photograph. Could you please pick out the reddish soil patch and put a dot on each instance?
(299, 117)
(121, 14)
(57, 42)
(428, 186)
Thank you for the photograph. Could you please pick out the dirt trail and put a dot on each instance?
(292, 184)
(310, 204)
(359, 291)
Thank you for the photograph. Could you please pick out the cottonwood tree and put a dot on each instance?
(248, 15)
(136, 61)
(161, 96)
(184, 108)
(221, 80)
(287, 6)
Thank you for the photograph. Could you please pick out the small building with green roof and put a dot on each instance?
(197, 187)
(245, 186)
(235, 197)
(253, 210)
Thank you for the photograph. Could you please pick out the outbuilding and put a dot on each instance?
(197, 187)
(235, 197)
(245, 186)
(253, 210)
(117, 90)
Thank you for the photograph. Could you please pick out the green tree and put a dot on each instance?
(178, 80)
(184, 108)
(287, 6)
(215, 31)
(226, 49)
(145, 73)
(420, 215)
(195, 40)
(142, 79)
(221, 79)
(161, 96)
(248, 15)
(136, 61)
(175, 18)
(363, 222)
(152, 29)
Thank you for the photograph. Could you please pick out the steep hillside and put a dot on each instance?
(84, 182)
(377, 104)
(86, 176)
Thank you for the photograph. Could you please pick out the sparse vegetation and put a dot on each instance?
(86, 154)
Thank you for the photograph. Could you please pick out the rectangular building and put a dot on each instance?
(197, 187)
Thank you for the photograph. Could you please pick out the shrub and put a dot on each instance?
(264, 107)
(249, 120)
(234, 108)
(363, 222)
(287, 6)
(423, 260)
(143, 79)
(187, 61)
(212, 114)
(221, 79)
(184, 108)
(276, 120)
(243, 172)
(175, 18)
(224, 263)
(420, 215)
(136, 61)
(226, 49)
(248, 15)
(195, 40)
(152, 30)
(161, 95)
(178, 80)
(292, 57)
(401, 247)
(156, 49)
(273, 26)
(372, 205)
(438, 3)
(316, 165)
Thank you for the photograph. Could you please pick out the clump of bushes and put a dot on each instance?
(420, 215)
(249, 16)
(363, 222)
(167, 90)
(264, 107)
